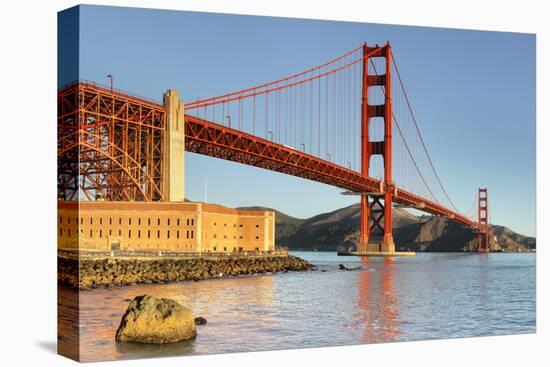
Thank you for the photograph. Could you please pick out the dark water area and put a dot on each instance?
(426, 297)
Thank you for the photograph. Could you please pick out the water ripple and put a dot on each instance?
(427, 297)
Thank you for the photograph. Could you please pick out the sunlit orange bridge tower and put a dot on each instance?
(483, 220)
(376, 236)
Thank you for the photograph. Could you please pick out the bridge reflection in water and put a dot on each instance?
(379, 316)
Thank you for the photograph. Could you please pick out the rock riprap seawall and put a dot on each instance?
(106, 272)
(156, 321)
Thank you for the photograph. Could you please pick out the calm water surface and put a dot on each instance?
(430, 296)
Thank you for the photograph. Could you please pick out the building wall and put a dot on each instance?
(180, 227)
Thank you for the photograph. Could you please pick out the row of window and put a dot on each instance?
(234, 225)
(235, 249)
(158, 245)
(188, 234)
(235, 237)
(190, 221)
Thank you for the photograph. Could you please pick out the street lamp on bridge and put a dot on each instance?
(228, 120)
(110, 77)
(270, 133)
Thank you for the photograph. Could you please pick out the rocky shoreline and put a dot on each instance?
(109, 272)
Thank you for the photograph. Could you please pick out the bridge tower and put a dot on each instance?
(483, 220)
(377, 236)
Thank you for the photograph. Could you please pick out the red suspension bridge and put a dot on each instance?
(348, 123)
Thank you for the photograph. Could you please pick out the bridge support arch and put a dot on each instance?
(376, 215)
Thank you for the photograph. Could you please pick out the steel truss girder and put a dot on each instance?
(109, 143)
(205, 137)
(129, 133)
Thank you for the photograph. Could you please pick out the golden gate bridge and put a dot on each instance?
(348, 123)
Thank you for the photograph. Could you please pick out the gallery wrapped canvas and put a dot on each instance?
(233, 183)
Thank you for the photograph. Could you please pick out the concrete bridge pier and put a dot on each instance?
(174, 148)
(376, 250)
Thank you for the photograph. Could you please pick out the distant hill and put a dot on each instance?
(340, 229)
(285, 225)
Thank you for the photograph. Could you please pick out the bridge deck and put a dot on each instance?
(208, 138)
(215, 140)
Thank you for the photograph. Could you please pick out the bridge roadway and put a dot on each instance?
(215, 140)
(211, 139)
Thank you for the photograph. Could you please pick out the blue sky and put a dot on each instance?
(473, 93)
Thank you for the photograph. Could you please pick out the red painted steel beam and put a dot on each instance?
(109, 143)
(388, 159)
(211, 139)
(364, 230)
(208, 138)
(483, 220)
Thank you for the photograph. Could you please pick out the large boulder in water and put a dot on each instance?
(156, 321)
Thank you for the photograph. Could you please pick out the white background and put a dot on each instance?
(28, 181)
